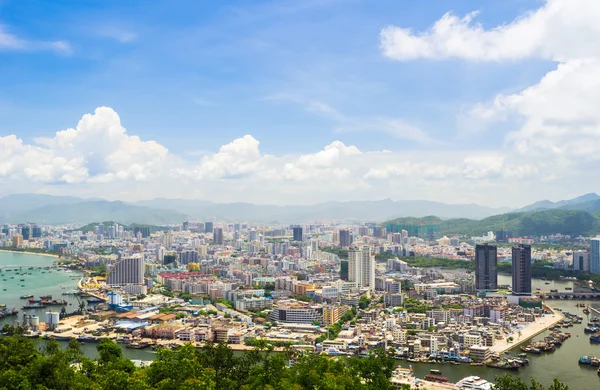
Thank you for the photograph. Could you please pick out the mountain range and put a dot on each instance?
(49, 209)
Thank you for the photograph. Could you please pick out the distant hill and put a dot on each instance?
(569, 204)
(572, 222)
(343, 211)
(47, 209)
(99, 210)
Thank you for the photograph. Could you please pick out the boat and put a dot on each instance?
(554, 291)
(505, 365)
(22, 280)
(94, 300)
(436, 378)
(435, 372)
(595, 338)
(568, 288)
(547, 283)
(143, 344)
(34, 306)
(46, 297)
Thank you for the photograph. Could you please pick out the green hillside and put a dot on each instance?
(91, 226)
(572, 222)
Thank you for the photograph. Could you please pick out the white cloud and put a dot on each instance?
(559, 30)
(10, 41)
(117, 33)
(237, 159)
(99, 156)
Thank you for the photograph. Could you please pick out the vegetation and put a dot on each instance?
(341, 252)
(533, 223)
(25, 366)
(414, 306)
(438, 262)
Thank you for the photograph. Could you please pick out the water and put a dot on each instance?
(562, 364)
(40, 282)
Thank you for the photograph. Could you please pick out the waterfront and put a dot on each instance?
(40, 282)
(562, 363)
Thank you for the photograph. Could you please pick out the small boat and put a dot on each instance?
(435, 372)
(34, 306)
(26, 296)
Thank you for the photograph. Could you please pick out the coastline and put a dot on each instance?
(531, 330)
(30, 253)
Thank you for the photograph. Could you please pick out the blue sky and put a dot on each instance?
(294, 75)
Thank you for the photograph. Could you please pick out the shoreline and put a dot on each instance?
(29, 253)
(528, 332)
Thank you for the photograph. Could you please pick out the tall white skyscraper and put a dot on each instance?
(361, 267)
(595, 255)
(128, 270)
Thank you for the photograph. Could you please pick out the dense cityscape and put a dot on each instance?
(335, 290)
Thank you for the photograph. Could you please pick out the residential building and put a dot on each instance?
(581, 261)
(345, 238)
(361, 267)
(486, 268)
(218, 236)
(297, 233)
(128, 270)
(595, 255)
(521, 269)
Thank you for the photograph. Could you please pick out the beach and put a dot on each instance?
(29, 253)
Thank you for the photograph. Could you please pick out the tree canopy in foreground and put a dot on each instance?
(25, 365)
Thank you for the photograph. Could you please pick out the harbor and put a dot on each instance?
(563, 362)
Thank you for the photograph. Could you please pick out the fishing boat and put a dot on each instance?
(34, 306)
(26, 296)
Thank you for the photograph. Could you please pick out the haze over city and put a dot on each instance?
(286, 102)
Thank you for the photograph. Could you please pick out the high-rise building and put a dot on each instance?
(252, 235)
(218, 236)
(345, 237)
(144, 229)
(521, 270)
(169, 257)
(208, 227)
(361, 267)
(17, 240)
(581, 261)
(237, 227)
(486, 268)
(503, 235)
(188, 256)
(344, 270)
(377, 231)
(25, 230)
(128, 270)
(36, 231)
(595, 255)
(186, 226)
(297, 233)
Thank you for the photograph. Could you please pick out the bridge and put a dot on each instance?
(570, 295)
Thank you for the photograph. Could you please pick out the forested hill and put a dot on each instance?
(571, 222)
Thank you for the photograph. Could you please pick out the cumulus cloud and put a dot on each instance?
(553, 31)
(239, 158)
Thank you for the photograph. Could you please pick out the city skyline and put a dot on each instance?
(276, 102)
